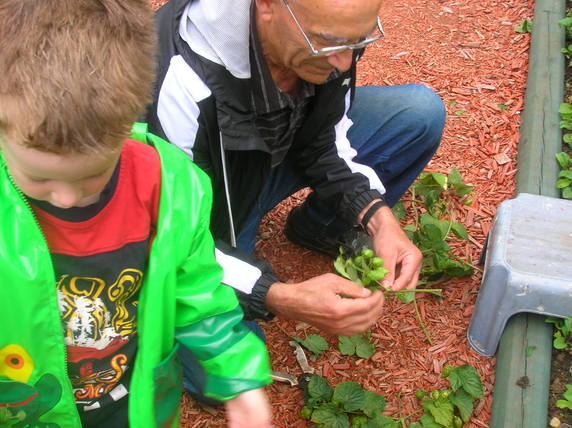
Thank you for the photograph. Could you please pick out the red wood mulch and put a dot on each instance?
(470, 54)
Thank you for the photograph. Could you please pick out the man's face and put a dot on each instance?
(64, 180)
(326, 23)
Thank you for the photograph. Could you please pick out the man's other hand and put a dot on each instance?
(329, 302)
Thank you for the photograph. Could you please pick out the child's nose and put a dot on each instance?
(65, 196)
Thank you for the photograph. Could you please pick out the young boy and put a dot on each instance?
(106, 261)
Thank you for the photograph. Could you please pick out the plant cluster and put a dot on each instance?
(430, 230)
(349, 405)
(564, 182)
(563, 341)
(358, 344)
(567, 24)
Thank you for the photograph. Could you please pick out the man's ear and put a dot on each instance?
(265, 9)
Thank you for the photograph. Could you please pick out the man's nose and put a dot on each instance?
(341, 60)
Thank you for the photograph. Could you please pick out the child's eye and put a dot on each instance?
(37, 180)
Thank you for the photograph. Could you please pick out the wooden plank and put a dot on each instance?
(525, 405)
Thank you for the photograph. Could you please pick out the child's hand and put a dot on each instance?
(249, 409)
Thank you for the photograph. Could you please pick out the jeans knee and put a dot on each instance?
(428, 112)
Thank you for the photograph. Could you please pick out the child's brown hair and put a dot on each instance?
(75, 74)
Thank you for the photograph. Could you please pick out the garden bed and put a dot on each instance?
(470, 54)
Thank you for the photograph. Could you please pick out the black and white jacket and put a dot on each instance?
(202, 104)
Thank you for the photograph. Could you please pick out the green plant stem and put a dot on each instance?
(422, 323)
(465, 263)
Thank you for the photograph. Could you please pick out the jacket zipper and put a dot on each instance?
(27, 203)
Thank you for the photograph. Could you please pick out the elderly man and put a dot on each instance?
(261, 95)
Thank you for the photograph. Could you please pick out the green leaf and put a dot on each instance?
(464, 403)
(428, 421)
(399, 210)
(466, 377)
(565, 22)
(380, 421)
(524, 27)
(315, 343)
(463, 189)
(350, 395)
(353, 273)
(405, 296)
(529, 351)
(373, 404)
(564, 404)
(319, 388)
(459, 112)
(567, 193)
(459, 231)
(565, 108)
(365, 350)
(330, 416)
(560, 343)
(346, 345)
(340, 267)
(414, 425)
(563, 183)
(502, 106)
(454, 177)
(565, 174)
(442, 411)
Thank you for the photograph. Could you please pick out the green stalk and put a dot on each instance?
(422, 323)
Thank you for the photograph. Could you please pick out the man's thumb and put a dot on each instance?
(351, 289)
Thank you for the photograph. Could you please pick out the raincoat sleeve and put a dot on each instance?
(209, 317)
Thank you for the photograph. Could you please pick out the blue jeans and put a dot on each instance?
(396, 131)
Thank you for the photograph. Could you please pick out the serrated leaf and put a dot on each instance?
(314, 343)
(466, 377)
(364, 350)
(373, 404)
(463, 189)
(429, 422)
(330, 416)
(399, 210)
(459, 231)
(319, 388)
(346, 345)
(442, 411)
(454, 177)
(350, 395)
(405, 296)
(380, 421)
(464, 403)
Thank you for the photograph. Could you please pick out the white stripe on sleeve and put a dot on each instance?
(237, 273)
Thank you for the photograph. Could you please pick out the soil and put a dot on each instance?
(561, 370)
(560, 375)
(469, 53)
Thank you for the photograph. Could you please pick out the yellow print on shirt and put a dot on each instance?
(94, 313)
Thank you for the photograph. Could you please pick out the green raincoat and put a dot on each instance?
(181, 300)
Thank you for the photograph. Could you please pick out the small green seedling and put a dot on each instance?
(524, 27)
(314, 343)
(566, 403)
(358, 344)
(562, 332)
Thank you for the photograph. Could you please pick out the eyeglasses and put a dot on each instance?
(331, 50)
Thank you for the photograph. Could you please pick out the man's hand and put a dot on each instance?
(321, 302)
(400, 256)
(249, 409)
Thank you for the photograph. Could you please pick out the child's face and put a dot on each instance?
(64, 180)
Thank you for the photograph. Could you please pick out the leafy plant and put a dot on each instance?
(565, 111)
(314, 343)
(450, 408)
(564, 182)
(562, 332)
(567, 24)
(566, 403)
(349, 405)
(431, 229)
(358, 344)
(524, 27)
